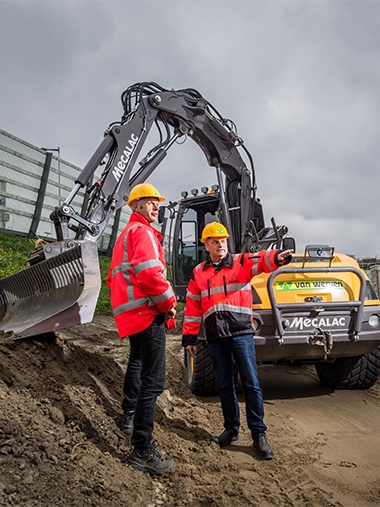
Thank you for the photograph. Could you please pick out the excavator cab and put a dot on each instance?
(194, 213)
(187, 249)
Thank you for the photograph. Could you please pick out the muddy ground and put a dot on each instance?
(60, 444)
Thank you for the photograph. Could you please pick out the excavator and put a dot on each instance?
(320, 309)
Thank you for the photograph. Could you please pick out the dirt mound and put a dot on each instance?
(60, 411)
(60, 442)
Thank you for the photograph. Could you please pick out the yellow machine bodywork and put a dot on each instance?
(301, 286)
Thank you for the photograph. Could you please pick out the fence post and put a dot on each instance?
(41, 196)
(115, 228)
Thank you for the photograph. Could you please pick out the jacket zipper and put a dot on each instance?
(225, 286)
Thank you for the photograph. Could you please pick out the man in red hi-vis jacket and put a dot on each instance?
(219, 293)
(143, 305)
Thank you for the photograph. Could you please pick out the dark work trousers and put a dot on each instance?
(132, 381)
(145, 380)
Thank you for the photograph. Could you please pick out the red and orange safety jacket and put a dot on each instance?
(137, 277)
(221, 295)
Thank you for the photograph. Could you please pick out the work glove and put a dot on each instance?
(170, 323)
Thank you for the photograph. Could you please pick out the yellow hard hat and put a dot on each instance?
(142, 191)
(214, 230)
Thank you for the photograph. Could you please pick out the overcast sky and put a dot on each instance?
(301, 80)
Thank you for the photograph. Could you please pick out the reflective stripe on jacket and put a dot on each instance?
(137, 277)
(222, 295)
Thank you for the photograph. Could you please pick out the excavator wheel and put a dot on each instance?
(360, 372)
(200, 372)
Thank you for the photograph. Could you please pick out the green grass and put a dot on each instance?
(104, 304)
(14, 252)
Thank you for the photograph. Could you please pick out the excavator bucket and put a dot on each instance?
(58, 292)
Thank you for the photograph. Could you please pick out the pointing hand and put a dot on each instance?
(283, 255)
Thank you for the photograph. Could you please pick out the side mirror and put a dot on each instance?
(289, 244)
(161, 214)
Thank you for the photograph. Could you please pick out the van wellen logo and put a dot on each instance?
(296, 285)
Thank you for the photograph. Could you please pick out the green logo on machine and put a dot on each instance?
(297, 285)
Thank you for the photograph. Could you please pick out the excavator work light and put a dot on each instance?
(184, 194)
(194, 191)
(204, 190)
(374, 320)
(256, 325)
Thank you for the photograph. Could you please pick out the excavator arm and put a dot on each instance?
(177, 114)
(61, 286)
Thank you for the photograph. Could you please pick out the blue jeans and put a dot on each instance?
(145, 380)
(242, 349)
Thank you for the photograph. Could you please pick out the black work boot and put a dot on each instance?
(261, 445)
(149, 460)
(127, 424)
(226, 438)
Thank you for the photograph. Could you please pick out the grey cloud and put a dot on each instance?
(299, 79)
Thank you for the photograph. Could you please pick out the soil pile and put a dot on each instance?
(60, 443)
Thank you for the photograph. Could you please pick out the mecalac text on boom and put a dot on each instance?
(119, 168)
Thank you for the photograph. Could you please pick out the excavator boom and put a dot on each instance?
(61, 286)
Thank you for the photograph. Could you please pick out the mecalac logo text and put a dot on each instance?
(303, 322)
(119, 168)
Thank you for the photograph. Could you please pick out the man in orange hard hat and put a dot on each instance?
(143, 305)
(219, 293)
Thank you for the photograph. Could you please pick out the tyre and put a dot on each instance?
(200, 372)
(360, 372)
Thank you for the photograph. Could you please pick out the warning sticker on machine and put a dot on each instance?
(297, 285)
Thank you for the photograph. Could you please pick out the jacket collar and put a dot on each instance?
(137, 217)
(226, 262)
